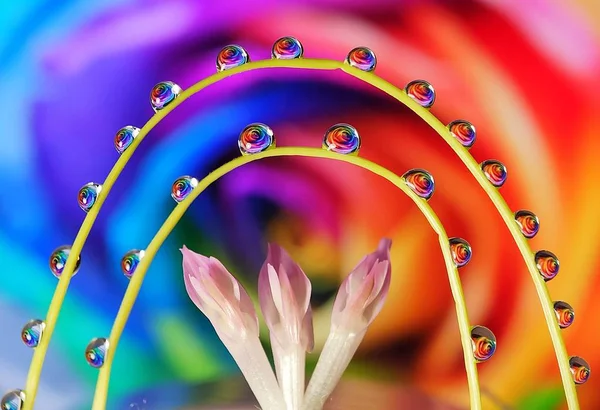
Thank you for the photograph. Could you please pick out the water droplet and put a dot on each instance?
(464, 132)
(528, 222)
(422, 92)
(343, 139)
(564, 314)
(125, 137)
(231, 56)
(163, 94)
(13, 400)
(87, 196)
(420, 181)
(547, 264)
(58, 260)
(95, 352)
(287, 48)
(32, 332)
(484, 343)
(182, 187)
(130, 262)
(256, 138)
(362, 58)
(461, 251)
(494, 171)
(580, 369)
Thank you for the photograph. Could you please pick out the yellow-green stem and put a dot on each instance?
(39, 354)
(508, 217)
(135, 284)
(318, 64)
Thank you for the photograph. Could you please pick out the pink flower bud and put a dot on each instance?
(284, 294)
(362, 294)
(219, 296)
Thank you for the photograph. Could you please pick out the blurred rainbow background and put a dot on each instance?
(525, 73)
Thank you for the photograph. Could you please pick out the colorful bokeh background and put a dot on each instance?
(525, 73)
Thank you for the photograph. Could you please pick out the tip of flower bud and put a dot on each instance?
(362, 294)
(383, 248)
(284, 293)
(218, 295)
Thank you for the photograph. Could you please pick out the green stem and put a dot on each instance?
(370, 78)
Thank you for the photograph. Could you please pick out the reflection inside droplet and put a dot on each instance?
(565, 315)
(362, 58)
(13, 400)
(528, 223)
(32, 332)
(87, 196)
(95, 352)
(463, 131)
(484, 343)
(420, 182)
(494, 171)
(255, 138)
(287, 48)
(130, 262)
(58, 260)
(124, 138)
(422, 92)
(231, 56)
(163, 94)
(342, 138)
(461, 251)
(580, 369)
(183, 187)
(547, 264)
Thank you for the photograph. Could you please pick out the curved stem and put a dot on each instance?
(39, 354)
(169, 224)
(318, 64)
(506, 214)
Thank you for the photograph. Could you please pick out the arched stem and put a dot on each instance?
(372, 79)
(135, 284)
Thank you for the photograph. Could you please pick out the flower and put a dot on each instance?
(219, 296)
(363, 292)
(359, 300)
(230, 310)
(284, 293)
